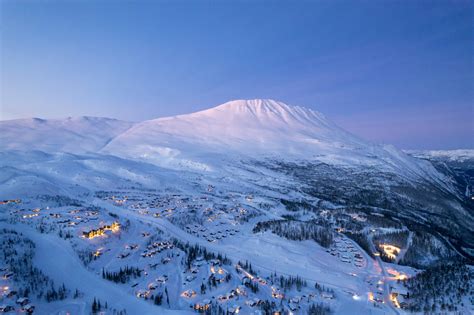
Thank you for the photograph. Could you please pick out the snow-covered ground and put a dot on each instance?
(159, 216)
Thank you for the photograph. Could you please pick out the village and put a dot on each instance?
(165, 273)
(154, 266)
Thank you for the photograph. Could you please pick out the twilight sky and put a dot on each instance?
(397, 72)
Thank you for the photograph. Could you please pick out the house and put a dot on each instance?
(246, 280)
(162, 279)
(253, 303)
(6, 308)
(22, 301)
(234, 310)
(261, 280)
(400, 291)
(203, 306)
(241, 290)
(123, 255)
(152, 286)
(327, 295)
(28, 308)
(219, 274)
(7, 275)
(188, 294)
(293, 307)
(143, 293)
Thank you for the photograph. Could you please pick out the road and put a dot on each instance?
(385, 275)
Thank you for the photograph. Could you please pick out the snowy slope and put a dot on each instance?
(249, 127)
(259, 129)
(451, 155)
(77, 135)
(206, 140)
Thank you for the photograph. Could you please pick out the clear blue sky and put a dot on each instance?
(396, 72)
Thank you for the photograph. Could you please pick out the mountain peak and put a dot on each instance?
(264, 106)
(264, 112)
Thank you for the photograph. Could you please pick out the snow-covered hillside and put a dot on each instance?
(253, 206)
(258, 129)
(452, 155)
(77, 135)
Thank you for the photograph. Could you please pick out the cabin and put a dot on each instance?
(241, 290)
(203, 306)
(7, 275)
(162, 279)
(28, 308)
(22, 301)
(6, 308)
(143, 294)
(188, 294)
(293, 307)
(327, 295)
(123, 255)
(234, 310)
(246, 280)
(253, 303)
(400, 291)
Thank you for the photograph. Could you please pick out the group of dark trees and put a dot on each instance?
(99, 307)
(287, 283)
(440, 288)
(195, 251)
(294, 206)
(17, 256)
(322, 288)
(54, 295)
(298, 230)
(58, 201)
(123, 275)
(424, 250)
(319, 309)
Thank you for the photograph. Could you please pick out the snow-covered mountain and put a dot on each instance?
(223, 140)
(248, 126)
(278, 186)
(240, 129)
(257, 129)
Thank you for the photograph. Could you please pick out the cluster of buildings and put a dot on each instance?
(347, 252)
(114, 227)
(208, 234)
(6, 202)
(156, 247)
